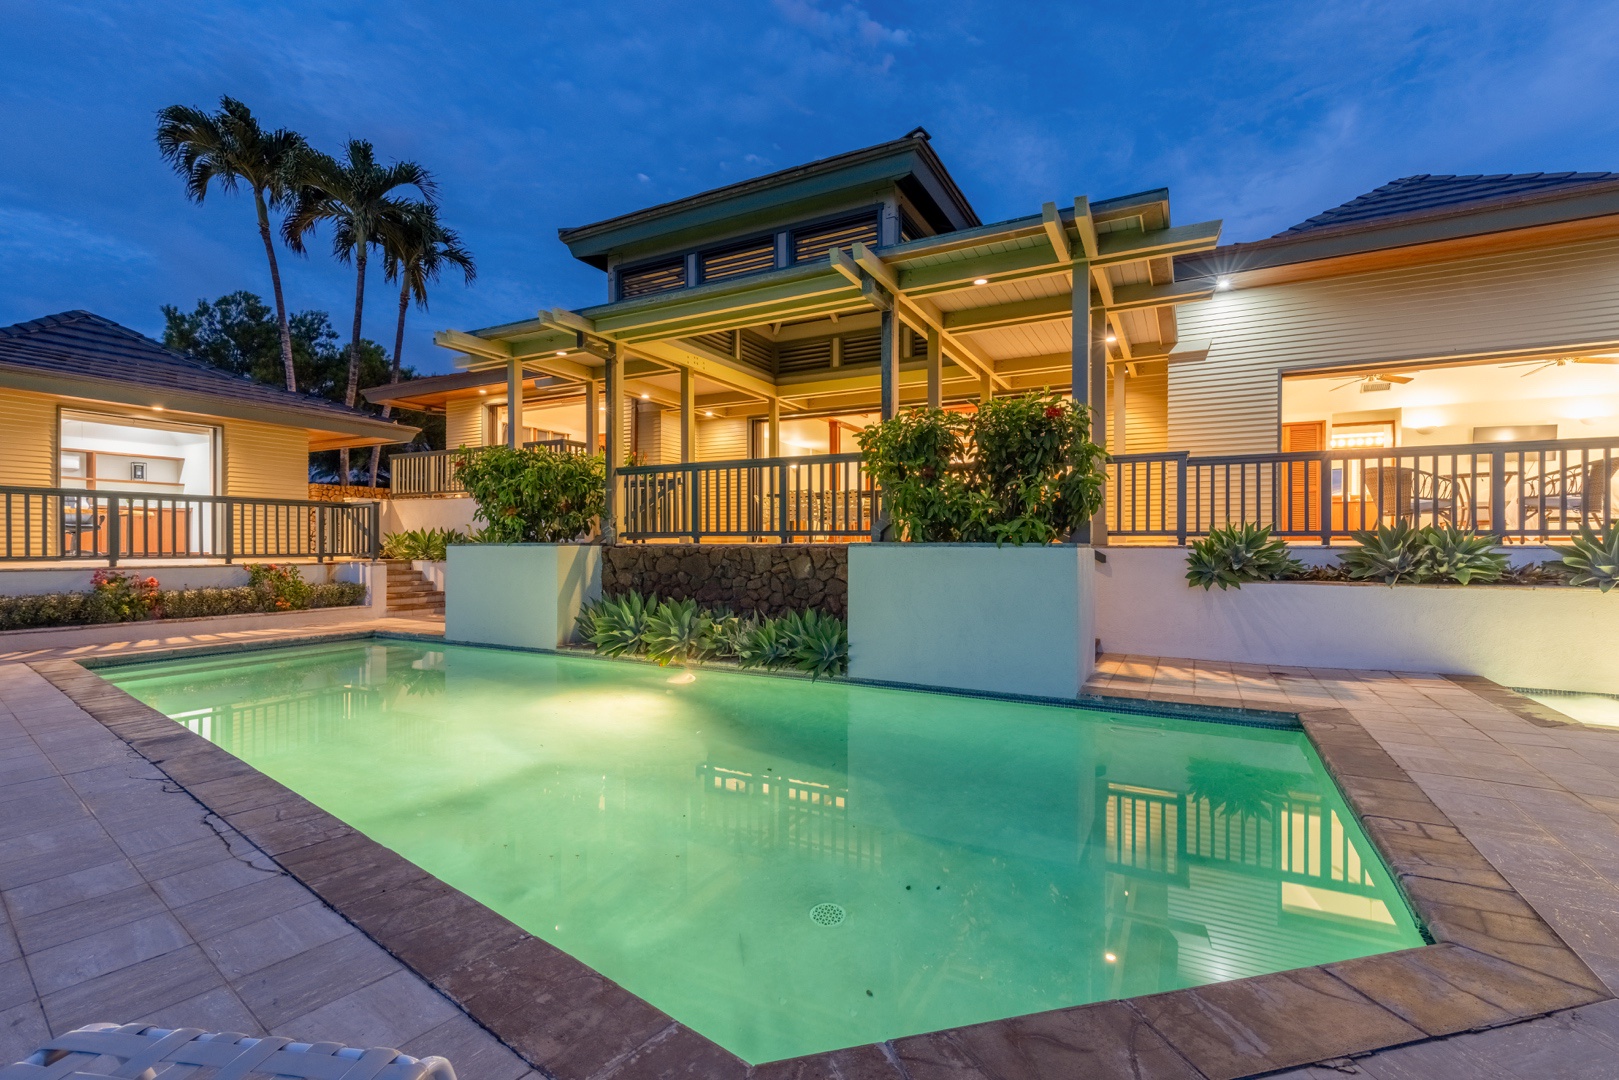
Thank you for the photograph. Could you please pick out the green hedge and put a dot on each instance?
(96, 606)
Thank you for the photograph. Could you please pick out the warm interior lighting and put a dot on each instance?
(646, 397)
(980, 281)
(1222, 283)
(1362, 440)
(708, 412)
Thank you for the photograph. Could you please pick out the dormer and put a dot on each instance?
(883, 195)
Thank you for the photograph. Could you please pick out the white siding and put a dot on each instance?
(722, 439)
(463, 423)
(1230, 402)
(266, 461)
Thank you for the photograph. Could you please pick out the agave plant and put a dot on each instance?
(584, 624)
(620, 624)
(677, 632)
(1227, 557)
(1462, 556)
(1391, 553)
(1593, 557)
(823, 647)
(768, 646)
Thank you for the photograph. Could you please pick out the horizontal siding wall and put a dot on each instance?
(29, 424)
(463, 423)
(267, 462)
(1230, 402)
(722, 439)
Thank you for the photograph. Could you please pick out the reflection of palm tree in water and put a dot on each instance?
(1243, 791)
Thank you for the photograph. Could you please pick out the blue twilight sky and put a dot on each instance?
(539, 115)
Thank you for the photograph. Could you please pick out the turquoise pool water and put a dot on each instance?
(981, 859)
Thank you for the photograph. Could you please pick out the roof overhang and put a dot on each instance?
(325, 431)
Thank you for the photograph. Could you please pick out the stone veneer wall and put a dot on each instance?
(767, 579)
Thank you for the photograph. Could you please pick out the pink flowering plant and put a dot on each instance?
(125, 597)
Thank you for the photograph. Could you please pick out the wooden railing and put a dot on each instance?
(1518, 491)
(827, 496)
(428, 473)
(72, 524)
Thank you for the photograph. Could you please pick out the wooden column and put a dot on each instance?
(514, 402)
(592, 417)
(773, 435)
(615, 442)
(1119, 443)
(888, 358)
(935, 370)
(986, 387)
(1098, 397)
(688, 417)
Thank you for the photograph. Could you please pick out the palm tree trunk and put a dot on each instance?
(361, 250)
(393, 376)
(275, 286)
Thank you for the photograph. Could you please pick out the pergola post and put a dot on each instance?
(514, 402)
(615, 443)
(1119, 443)
(935, 370)
(1098, 398)
(773, 434)
(592, 417)
(986, 387)
(888, 361)
(688, 417)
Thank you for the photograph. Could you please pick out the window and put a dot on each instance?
(750, 257)
(813, 242)
(652, 278)
(113, 453)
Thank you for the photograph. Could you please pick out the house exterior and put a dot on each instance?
(173, 458)
(1441, 348)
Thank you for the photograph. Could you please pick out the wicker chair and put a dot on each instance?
(138, 1052)
(1576, 495)
(1418, 496)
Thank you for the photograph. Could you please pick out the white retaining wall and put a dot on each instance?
(525, 595)
(1016, 620)
(405, 515)
(32, 581)
(1555, 638)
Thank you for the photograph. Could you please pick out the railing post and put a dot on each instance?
(374, 531)
(1325, 482)
(230, 531)
(1498, 493)
(320, 534)
(694, 501)
(114, 537)
(1180, 499)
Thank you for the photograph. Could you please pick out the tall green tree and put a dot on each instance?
(356, 196)
(416, 249)
(231, 149)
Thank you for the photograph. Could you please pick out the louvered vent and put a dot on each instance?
(861, 348)
(653, 278)
(805, 354)
(815, 241)
(757, 352)
(919, 344)
(739, 259)
(722, 342)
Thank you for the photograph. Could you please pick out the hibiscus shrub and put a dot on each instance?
(535, 495)
(1020, 470)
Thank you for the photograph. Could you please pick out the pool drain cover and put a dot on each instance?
(826, 914)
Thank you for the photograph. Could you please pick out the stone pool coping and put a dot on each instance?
(1494, 961)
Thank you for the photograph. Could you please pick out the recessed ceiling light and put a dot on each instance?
(562, 352)
(1111, 339)
(708, 412)
(483, 391)
(980, 281)
(646, 397)
(1222, 283)
(157, 408)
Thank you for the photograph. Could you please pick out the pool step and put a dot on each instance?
(410, 592)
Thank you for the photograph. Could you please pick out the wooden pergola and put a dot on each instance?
(1048, 301)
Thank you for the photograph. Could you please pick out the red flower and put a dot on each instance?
(1053, 411)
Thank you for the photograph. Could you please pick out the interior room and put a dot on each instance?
(122, 454)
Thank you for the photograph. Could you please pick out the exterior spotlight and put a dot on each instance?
(980, 281)
(1222, 283)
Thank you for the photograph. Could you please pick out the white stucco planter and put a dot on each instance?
(1009, 620)
(1554, 638)
(525, 595)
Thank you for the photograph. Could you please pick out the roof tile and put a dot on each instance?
(1428, 192)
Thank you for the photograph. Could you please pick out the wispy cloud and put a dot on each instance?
(27, 236)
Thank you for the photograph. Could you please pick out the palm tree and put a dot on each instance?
(416, 248)
(229, 146)
(356, 197)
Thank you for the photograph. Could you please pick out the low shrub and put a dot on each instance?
(284, 585)
(679, 632)
(1227, 557)
(110, 602)
(424, 544)
(534, 495)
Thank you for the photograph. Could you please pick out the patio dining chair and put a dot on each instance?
(1577, 495)
(138, 1052)
(1418, 496)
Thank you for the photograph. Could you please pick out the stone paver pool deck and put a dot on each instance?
(124, 898)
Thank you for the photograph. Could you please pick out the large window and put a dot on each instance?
(114, 453)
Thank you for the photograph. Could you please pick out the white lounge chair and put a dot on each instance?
(138, 1052)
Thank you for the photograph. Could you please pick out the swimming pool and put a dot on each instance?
(790, 867)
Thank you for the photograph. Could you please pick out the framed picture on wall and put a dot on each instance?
(137, 470)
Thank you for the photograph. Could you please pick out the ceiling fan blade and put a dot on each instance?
(1596, 359)
(1396, 378)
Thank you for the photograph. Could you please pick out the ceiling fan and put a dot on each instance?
(1372, 383)
(1542, 365)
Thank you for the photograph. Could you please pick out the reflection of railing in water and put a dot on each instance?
(293, 722)
(779, 811)
(1156, 833)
